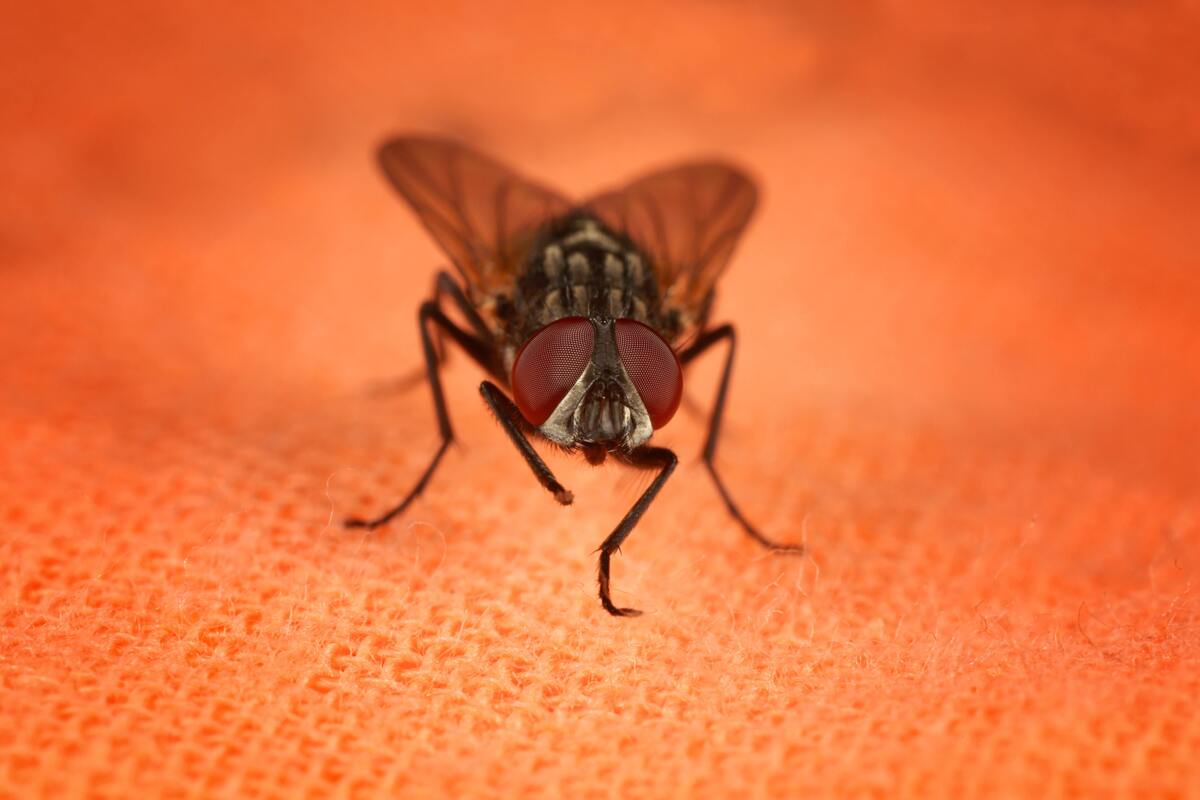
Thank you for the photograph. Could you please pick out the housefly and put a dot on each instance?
(584, 314)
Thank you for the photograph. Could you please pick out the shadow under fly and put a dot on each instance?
(585, 312)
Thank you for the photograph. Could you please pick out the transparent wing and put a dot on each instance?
(480, 212)
(688, 220)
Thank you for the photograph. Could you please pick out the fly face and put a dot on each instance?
(597, 382)
(588, 310)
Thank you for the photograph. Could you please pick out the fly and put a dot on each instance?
(585, 312)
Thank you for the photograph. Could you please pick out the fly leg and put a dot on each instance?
(480, 351)
(446, 285)
(645, 457)
(703, 343)
(517, 428)
(443, 285)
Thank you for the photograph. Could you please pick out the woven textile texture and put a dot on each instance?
(968, 376)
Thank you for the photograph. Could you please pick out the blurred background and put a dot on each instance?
(967, 378)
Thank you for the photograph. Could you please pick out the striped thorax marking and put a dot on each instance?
(581, 268)
(552, 262)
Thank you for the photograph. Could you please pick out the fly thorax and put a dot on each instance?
(581, 268)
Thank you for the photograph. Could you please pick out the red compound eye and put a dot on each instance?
(548, 364)
(653, 368)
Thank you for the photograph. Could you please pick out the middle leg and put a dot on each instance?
(430, 315)
(704, 342)
(517, 429)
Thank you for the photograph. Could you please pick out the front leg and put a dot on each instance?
(517, 428)
(645, 457)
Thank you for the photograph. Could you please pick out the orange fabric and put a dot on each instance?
(968, 380)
